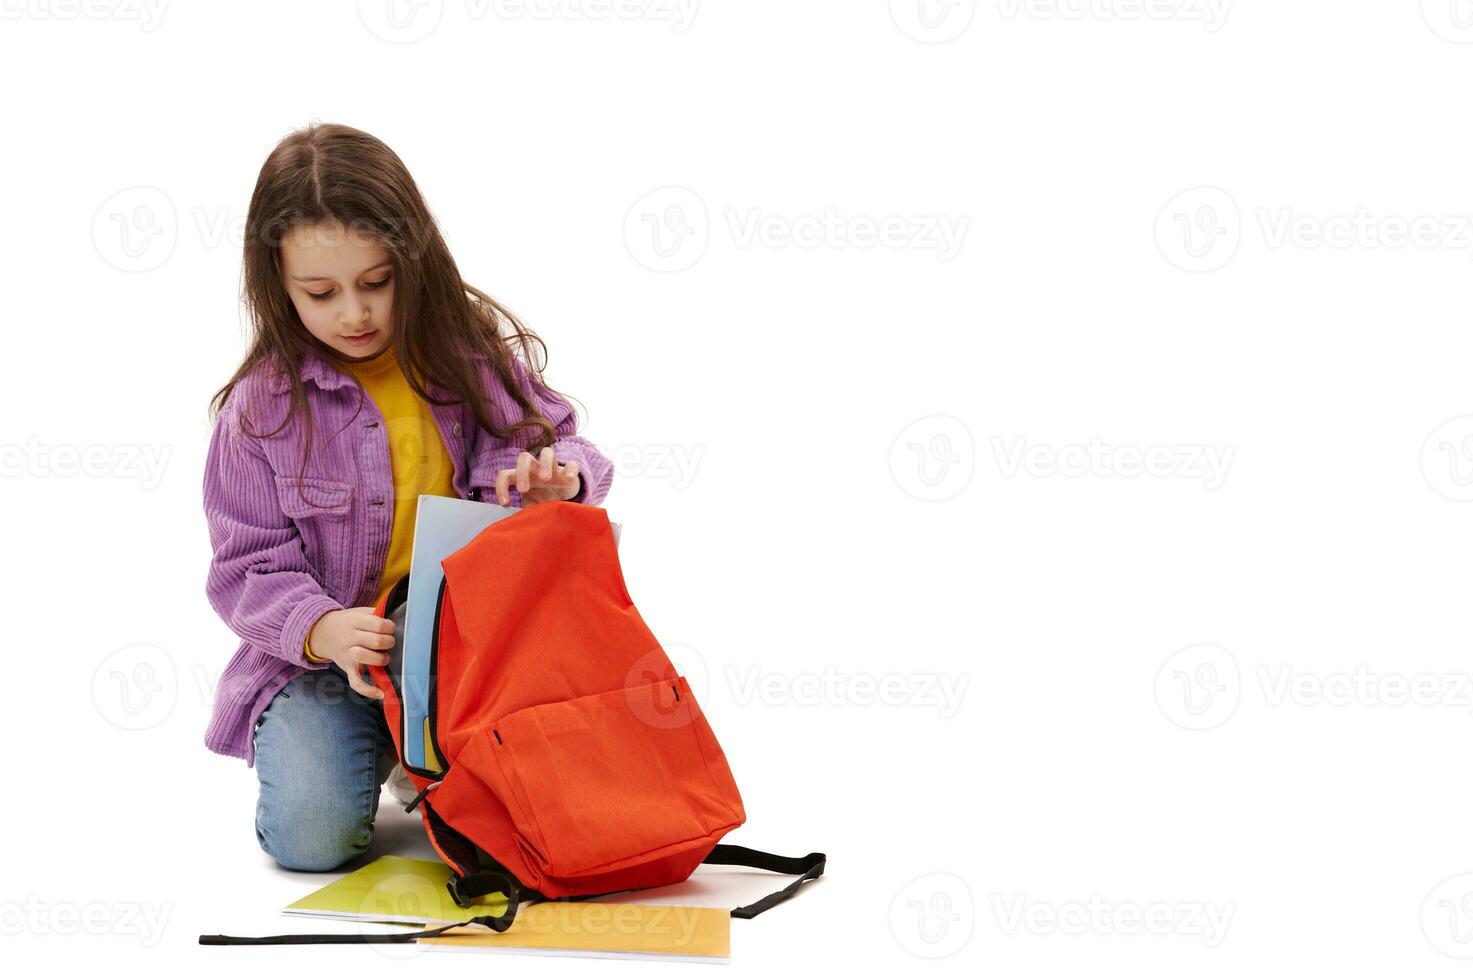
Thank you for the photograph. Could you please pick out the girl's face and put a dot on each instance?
(342, 284)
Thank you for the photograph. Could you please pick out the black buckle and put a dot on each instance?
(499, 923)
(453, 886)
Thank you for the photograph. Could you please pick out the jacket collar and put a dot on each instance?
(324, 374)
(316, 369)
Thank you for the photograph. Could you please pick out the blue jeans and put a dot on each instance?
(323, 752)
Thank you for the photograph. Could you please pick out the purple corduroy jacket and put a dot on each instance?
(280, 563)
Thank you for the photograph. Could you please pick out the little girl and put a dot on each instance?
(375, 374)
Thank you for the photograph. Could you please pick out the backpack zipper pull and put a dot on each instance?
(422, 794)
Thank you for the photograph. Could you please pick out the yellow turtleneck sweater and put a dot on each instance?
(417, 455)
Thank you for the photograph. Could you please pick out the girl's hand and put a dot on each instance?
(351, 638)
(538, 479)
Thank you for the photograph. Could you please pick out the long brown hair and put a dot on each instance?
(328, 172)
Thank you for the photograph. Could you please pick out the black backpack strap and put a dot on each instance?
(465, 889)
(498, 923)
(807, 868)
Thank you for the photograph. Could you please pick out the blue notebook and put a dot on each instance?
(442, 526)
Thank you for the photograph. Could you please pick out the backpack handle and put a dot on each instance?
(807, 868)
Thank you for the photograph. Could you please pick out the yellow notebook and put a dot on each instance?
(412, 891)
(666, 932)
(393, 889)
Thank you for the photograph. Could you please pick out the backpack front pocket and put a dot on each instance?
(609, 781)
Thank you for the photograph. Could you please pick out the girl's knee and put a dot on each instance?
(314, 846)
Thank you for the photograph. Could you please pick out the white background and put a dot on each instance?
(1231, 702)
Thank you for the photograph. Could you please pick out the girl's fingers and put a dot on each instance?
(375, 641)
(355, 676)
(533, 471)
(520, 473)
(524, 471)
(366, 656)
(370, 621)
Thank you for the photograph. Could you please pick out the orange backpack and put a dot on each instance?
(574, 760)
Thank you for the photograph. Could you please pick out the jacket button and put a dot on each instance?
(455, 428)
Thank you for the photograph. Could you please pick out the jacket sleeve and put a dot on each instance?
(259, 580)
(490, 455)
